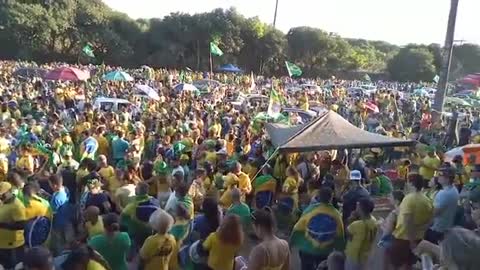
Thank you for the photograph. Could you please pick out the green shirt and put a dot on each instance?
(113, 250)
(242, 210)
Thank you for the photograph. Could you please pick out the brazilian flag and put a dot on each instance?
(130, 215)
(319, 230)
(264, 187)
(180, 230)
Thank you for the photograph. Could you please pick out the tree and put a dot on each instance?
(412, 64)
(466, 59)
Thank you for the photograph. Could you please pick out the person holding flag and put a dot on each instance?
(318, 232)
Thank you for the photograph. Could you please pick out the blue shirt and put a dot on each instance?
(119, 147)
(60, 208)
(446, 199)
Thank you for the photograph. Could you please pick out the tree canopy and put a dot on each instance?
(45, 31)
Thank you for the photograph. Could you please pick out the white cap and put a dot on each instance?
(355, 175)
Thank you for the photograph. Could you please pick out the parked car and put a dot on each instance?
(111, 104)
(245, 102)
(306, 116)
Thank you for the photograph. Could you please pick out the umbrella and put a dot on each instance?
(185, 87)
(149, 91)
(420, 92)
(460, 151)
(30, 72)
(372, 107)
(457, 101)
(230, 68)
(67, 74)
(117, 76)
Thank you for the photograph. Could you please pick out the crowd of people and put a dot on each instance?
(190, 182)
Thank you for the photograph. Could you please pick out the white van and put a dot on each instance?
(110, 104)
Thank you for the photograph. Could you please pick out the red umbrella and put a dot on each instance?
(67, 74)
(372, 107)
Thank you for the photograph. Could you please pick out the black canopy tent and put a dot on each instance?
(327, 132)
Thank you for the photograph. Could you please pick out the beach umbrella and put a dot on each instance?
(27, 72)
(461, 151)
(185, 87)
(149, 91)
(420, 92)
(230, 68)
(67, 74)
(371, 107)
(117, 75)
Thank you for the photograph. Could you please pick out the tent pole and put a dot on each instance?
(265, 164)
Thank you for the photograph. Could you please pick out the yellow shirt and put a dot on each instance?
(108, 173)
(421, 208)
(12, 212)
(433, 162)
(290, 185)
(363, 233)
(403, 171)
(94, 265)
(159, 252)
(221, 256)
(4, 146)
(244, 183)
(26, 162)
(95, 229)
(103, 146)
(211, 157)
(35, 209)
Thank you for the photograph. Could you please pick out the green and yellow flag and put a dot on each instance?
(293, 70)
(319, 230)
(275, 104)
(88, 50)
(215, 50)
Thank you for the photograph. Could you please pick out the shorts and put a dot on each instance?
(400, 254)
(10, 257)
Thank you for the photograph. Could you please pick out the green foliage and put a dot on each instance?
(412, 63)
(58, 31)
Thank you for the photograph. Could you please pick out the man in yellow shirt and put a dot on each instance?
(429, 165)
(361, 234)
(414, 217)
(12, 223)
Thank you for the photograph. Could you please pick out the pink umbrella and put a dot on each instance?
(372, 107)
(67, 74)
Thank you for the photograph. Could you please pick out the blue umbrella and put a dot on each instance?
(230, 68)
(117, 76)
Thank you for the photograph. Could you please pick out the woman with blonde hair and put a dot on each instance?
(159, 251)
(224, 244)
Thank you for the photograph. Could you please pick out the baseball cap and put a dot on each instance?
(355, 175)
(5, 187)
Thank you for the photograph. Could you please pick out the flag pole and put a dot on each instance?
(211, 65)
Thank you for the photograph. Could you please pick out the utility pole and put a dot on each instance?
(447, 58)
(275, 15)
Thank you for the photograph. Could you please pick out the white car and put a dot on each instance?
(110, 104)
(250, 101)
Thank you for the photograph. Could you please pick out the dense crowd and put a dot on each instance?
(187, 181)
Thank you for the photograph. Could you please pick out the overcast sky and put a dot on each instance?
(395, 21)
